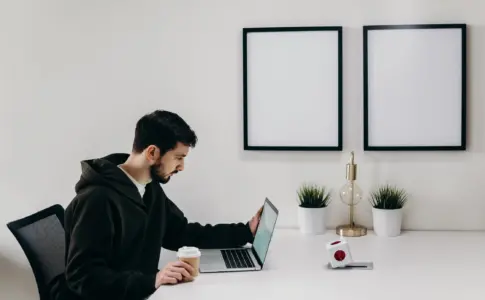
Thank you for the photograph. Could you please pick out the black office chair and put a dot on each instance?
(41, 236)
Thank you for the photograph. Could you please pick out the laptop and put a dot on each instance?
(244, 258)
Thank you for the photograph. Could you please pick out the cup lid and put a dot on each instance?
(188, 252)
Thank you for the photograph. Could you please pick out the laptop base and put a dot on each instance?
(212, 261)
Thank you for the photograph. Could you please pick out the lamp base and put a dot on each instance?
(349, 230)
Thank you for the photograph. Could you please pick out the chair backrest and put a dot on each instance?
(41, 236)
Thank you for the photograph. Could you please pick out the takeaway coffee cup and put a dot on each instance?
(190, 255)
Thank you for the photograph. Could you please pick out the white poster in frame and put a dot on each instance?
(292, 88)
(415, 80)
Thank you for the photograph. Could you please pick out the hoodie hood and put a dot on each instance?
(105, 172)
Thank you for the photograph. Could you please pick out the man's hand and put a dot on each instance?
(174, 273)
(254, 222)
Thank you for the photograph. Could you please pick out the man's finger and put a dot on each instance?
(175, 275)
(184, 265)
(170, 280)
(182, 271)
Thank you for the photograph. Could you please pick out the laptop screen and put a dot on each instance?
(265, 230)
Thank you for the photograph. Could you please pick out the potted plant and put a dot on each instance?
(387, 210)
(312, 205)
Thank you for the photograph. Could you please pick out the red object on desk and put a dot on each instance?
(339, 255)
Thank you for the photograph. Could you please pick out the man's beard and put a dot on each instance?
(154, 175)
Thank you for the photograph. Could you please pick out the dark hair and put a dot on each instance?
(162, 129)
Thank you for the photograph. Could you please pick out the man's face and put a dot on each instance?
(169, 164)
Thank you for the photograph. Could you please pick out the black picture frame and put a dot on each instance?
(271, 127)
(444, 102)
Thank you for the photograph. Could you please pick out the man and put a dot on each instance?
(121, 218)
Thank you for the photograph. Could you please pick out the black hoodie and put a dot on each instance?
(114, 236)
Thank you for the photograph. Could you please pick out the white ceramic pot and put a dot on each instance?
(312, 221)
(387, 222)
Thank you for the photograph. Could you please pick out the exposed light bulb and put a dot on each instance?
(351, 193)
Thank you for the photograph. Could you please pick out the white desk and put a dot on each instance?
(416, 265)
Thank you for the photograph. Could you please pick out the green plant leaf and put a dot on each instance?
(388, 197)
(313, 196)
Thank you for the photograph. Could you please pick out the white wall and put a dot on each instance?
(76, 75)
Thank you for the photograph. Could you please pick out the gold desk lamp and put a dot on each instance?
(351, 194)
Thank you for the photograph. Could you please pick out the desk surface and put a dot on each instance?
(416, 265)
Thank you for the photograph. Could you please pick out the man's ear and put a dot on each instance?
(152, 153)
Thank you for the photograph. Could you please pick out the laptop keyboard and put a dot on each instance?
(237, 258)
